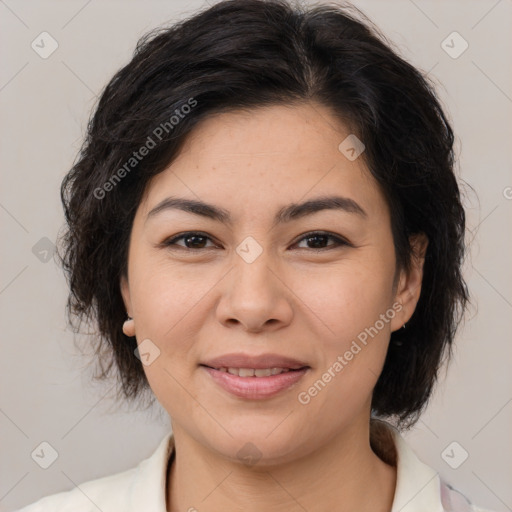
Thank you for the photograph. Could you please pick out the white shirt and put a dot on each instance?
(143, 488)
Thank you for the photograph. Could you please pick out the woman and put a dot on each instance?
(265, 225)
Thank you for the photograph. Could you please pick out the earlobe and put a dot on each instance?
(129, 327)
(409, 285)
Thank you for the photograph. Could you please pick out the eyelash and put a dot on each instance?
(339, 242)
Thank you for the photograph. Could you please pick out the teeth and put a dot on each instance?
(263, 372)
(252, 372)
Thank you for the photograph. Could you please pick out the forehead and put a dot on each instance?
(248, 159)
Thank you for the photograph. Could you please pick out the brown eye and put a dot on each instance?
(191, 240)
(319, 241)
(316, 241)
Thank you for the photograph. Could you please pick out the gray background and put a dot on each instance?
(46, 394)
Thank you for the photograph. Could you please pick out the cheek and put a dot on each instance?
(170, 306)
(167, 304)
(346, 300)
(354, 306)
(163, 290)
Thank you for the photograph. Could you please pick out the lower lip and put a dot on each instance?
(256, 388)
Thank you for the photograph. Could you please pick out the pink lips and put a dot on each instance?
(255, 388)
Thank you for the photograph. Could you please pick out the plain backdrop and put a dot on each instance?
(46, 394)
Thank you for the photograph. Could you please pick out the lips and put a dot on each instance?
(255, 377)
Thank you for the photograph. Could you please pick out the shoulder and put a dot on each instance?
(107, 493)
(419, 487)
(139, 488)
(455, 501)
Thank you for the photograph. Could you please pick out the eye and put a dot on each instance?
(191, 240)
(319, 240)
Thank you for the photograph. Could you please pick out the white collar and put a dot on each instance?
(418, 486)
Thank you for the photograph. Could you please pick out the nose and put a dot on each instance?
(255, 297)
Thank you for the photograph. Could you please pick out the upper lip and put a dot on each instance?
(256, 361)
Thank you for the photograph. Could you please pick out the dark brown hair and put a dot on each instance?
(243, 54)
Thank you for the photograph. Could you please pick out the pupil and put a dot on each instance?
(195, 237)
(322, 239)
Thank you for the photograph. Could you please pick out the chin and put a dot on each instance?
(266, 444)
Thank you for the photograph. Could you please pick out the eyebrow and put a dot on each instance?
(287, 213)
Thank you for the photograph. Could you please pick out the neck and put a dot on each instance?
(335, 476)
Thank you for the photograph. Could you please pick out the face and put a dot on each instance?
(309, 288)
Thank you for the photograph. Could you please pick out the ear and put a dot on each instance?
(125, 292)
(129, 324)
(409, 283)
